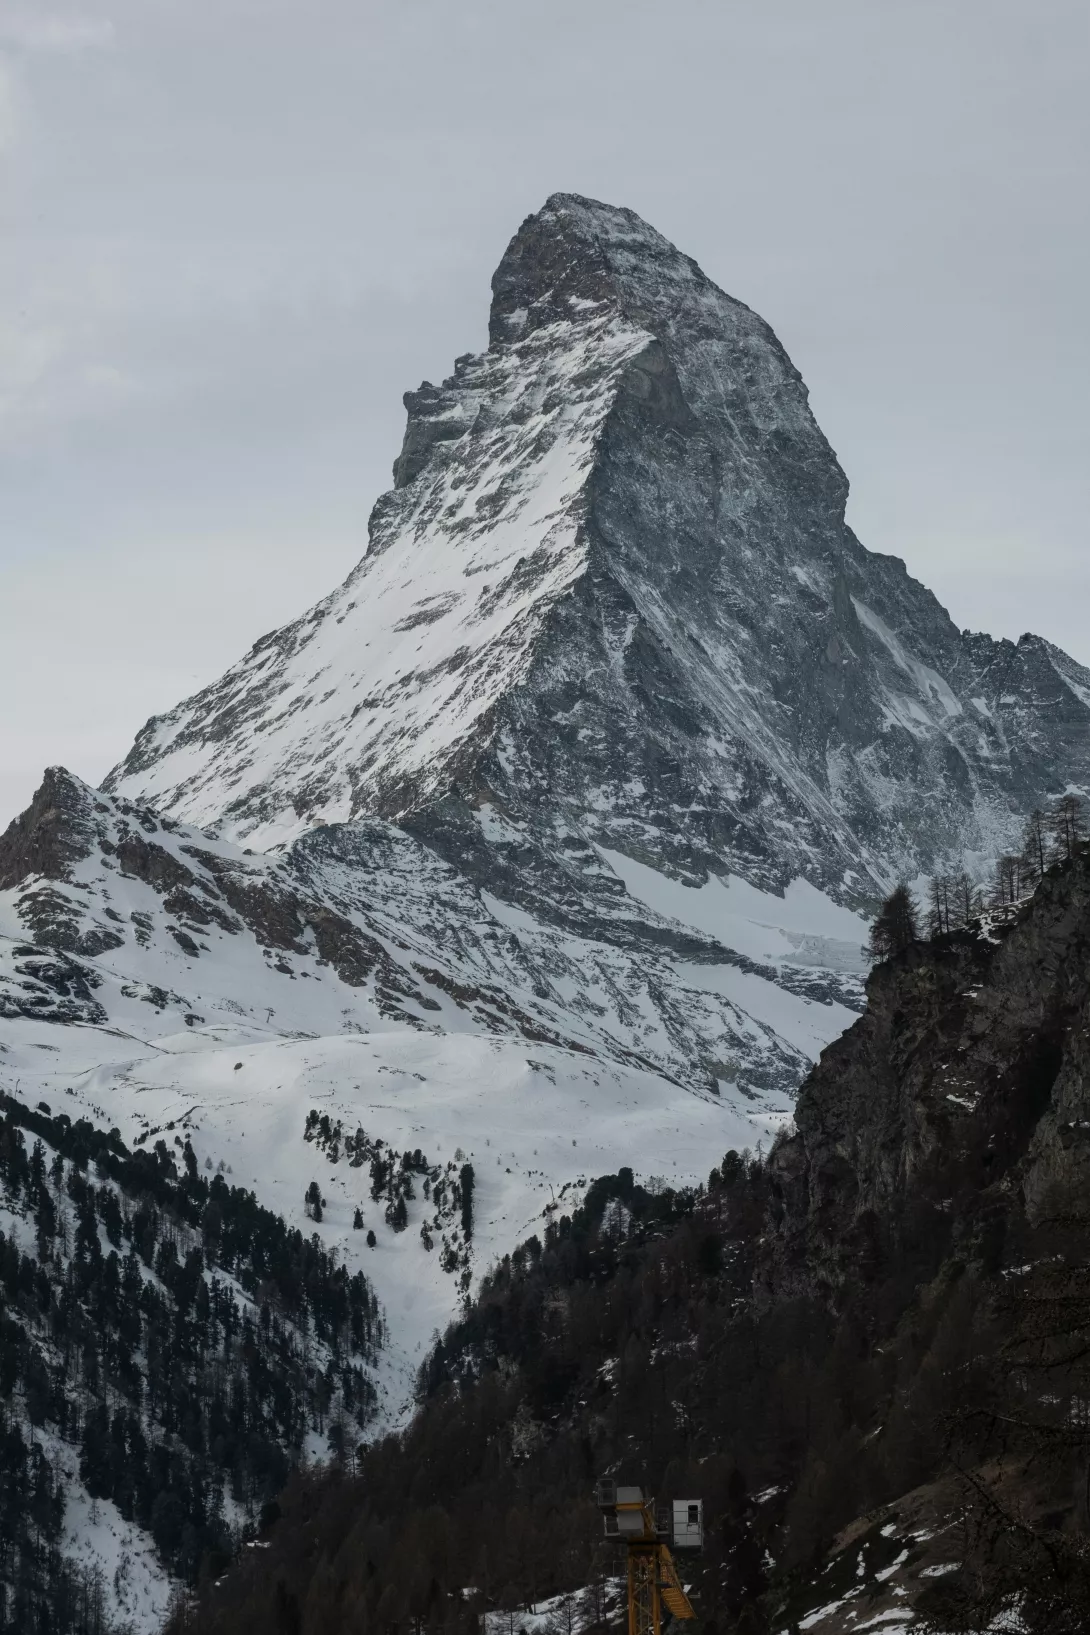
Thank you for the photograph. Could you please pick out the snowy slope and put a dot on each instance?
(152, 928)
(537, 1123)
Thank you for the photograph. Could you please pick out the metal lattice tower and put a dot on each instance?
(653, 1582)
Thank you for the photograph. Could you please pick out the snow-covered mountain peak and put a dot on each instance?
(385, 694)
(376, 699)
(611, 600)
(542, 844)
(577, 254)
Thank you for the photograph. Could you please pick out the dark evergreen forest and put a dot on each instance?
(628, 1340)
(184, 1338)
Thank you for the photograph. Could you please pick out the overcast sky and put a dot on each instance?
(233, 232)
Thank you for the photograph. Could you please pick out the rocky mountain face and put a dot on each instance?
(612, 600)
(75, 858)
(936, 1181)
(961, 1096)
(111, 915)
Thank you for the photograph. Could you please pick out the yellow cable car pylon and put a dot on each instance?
(631, 1519)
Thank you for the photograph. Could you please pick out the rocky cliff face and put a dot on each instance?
(959, 1102)
(613, 598)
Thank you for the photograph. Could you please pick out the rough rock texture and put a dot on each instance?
(613, 597)
(74, 855)
(961, 1096)
(115, 910)
(54, 832)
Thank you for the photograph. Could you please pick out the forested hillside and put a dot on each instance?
(168, 1342)
(866, 1354)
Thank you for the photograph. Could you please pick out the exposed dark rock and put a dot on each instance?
(51, 988)
(963, 1088)
(55, 831)
(151, 863)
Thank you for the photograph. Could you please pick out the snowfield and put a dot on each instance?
(537, 1123)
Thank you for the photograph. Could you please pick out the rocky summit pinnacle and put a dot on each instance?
(612, 596)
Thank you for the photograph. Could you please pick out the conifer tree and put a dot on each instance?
(1035, 845)
(1067, 825)
(466, 1177)
(965, 901)
(939, 906)
(895, 927)
(1008, 885)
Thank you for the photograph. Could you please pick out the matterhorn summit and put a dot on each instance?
(612, 596)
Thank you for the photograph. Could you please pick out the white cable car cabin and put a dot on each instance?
(688, 1528)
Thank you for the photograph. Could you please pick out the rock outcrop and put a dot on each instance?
(959, 1102)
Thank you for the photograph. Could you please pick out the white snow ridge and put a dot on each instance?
(546, 842)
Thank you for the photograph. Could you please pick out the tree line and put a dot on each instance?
(626, 1338)
(955, 902)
